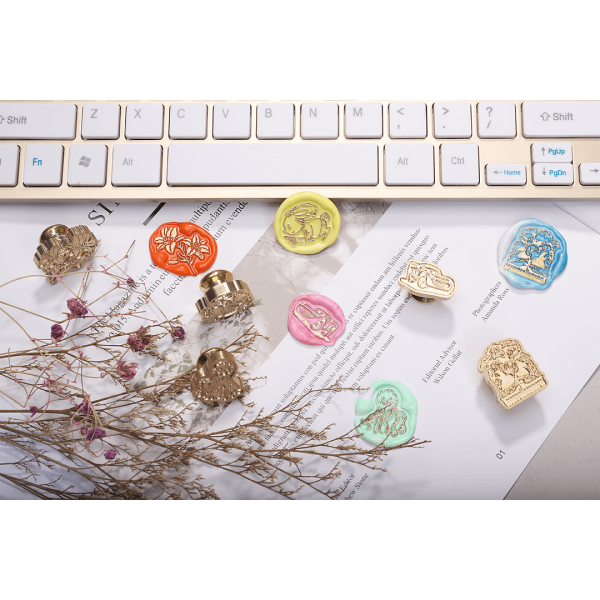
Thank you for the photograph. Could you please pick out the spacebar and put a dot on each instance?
(251, 164)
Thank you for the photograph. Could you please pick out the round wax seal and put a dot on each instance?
(388, 416)
(307, 223)
(316, 320)
(183, 248)
(531, 254)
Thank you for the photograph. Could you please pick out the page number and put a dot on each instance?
(500, 454)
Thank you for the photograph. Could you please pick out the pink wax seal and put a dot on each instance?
(316, 320)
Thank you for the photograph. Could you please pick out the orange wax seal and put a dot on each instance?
(183, 248)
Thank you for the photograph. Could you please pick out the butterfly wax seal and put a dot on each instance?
(215, 379)
(426, 282)
(63, 249)
(223, 296)
(316, 320)
(307, 223)
(531, 254)
(182, 248)
(511, 372)
(388, 416)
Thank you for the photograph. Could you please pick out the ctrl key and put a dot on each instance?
(9, 165)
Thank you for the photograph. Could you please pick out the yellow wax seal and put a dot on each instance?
(307, 223)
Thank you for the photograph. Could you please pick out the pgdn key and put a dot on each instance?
(553, 174)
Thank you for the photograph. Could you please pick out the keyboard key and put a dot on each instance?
(364, 120)
(231, 121)
(589, 174)
(272, 164)
(275, 121)
(408, 120)
(187, 121)
(137, 165)
(9, 165)
(43, 165)
(100, 121)
(409, 164)
(144, 121)
(319, 121)
(452, 120)
(459, 164)
(37, 121)
(553, 174)
(549, 152)
(561, 119)
(497, 120)
(503, 174)
(87, 165)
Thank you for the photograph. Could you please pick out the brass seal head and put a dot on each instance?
(215, 379)
(223, 296)
(64, 249)
(426, 282)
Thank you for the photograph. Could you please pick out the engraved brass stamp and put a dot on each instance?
(426, 282)
(64, 249)
(215, 378)
(511, 372)
(223, 296)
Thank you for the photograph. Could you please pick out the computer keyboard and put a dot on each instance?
(161, 151)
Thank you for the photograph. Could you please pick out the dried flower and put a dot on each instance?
(178, 333)
(33, 410)
(94, 433)
(126, 371)
(110, 454)
(139, 340)
(57, 333)
(77, 307)
(85, 408)
(130, 281)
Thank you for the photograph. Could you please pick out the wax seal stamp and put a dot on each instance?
(215, 379)
(532, 254)
(426, 282)
(223, 296)
(307, 223)
(183, 248)
(64, 249)
(316, 320)
(511, 372)
(388, 415)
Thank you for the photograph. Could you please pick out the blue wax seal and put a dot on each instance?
(532, 254)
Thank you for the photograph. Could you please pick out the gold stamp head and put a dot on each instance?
(223, 296)
(215, 378)
(511, 372)
(426, 282)
(63, 249)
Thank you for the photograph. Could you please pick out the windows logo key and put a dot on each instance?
(84, 161)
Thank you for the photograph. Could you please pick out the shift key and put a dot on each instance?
(37, 121)
(561, 119)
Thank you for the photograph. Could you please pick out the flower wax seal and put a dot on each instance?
(182, 248)
(215, 379)
(511, 372)
(316, 320)
(63, 249)
(307, 223)
(388, 416)
(223, 296)
(531, 254)
(426, 282)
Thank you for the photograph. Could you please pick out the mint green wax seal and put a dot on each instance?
(388, 416)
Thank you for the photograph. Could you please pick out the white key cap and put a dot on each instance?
(459, 164)
(275, 121)
(187, 121)
(231, 121)
(561, 119)
(100, 121)
(9, 165)
(364, 120)
(452, 120)
(137, 165)
(87, 165)
(36, 121)
(272, 164)
(589, 174)
(409, 164)
(504, 174)
(319, 121)
(553, 174)
(43, 165)
(144, 121)
(497, 120)
(551, 152)
(408, 120)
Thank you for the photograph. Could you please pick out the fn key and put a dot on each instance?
(137, 165)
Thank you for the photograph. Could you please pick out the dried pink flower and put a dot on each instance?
(57, 333)
(86, 407)
(77, 307)
(110, 454)
(178, 333)
(95, 433)
(33, 410)
(139, 340)
(130, 281)
(126, 371)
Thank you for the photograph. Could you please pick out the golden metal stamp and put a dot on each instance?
(426, 282)
(63, 249)
(223, 296)
(511, 372)
(215, 378)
